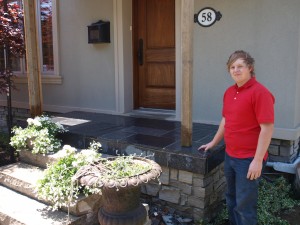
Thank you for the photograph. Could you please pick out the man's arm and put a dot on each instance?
(217, 138)
(264, 140)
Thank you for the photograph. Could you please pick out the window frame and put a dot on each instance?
(52, 77)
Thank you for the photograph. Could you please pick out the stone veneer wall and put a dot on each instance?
(191, 194)
(284, 150)
(17, 114)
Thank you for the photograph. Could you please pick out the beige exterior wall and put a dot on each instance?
(272, 38)
(98, 77)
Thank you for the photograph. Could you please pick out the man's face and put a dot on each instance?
(240, 72)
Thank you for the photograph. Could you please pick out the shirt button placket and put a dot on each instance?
(235, 95)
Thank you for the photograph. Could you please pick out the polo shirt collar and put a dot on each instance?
(248, 84)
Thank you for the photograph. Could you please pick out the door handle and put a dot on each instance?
(140, 52)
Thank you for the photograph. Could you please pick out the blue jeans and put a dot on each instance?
(242, 193)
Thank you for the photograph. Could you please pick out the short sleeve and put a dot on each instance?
(264, 106)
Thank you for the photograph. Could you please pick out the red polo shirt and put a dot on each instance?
(244, 108)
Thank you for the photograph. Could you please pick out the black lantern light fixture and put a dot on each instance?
(99, 32)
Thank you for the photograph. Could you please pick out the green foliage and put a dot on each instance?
(274, 197)
(57, 185)
(39, 136)
(123, 166)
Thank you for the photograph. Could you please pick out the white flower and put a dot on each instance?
(30, 121)
(66, 150)
(75, 164)
(69, 148)
(36, 122)
(43, 132)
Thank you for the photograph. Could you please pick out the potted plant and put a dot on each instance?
(39, 137)
(56, 184)
(120, 179)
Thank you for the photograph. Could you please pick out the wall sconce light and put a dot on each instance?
(99, 32)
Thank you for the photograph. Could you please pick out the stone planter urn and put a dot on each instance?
(121, 197)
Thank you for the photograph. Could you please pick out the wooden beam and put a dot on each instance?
(33, 59)
(187, 23)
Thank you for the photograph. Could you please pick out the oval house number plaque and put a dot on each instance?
(207, 17)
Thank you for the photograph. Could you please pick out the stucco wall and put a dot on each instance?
(87, 69)
(98, 77)
(269, 31)
(297, 82)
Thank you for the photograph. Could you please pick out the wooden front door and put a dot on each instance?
(154, 53)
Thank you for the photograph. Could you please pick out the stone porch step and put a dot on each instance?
(22, 178)
(18, 209)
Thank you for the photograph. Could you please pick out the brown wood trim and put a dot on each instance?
(33, 60)
(187, 24)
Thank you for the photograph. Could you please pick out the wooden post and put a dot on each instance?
(33, 59)
(187, 23)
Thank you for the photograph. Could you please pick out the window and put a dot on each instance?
(46, 35)
(47, 30)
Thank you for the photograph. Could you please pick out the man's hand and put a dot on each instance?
(254, 170)
(206, 146)
(264, 140)
(217, 138)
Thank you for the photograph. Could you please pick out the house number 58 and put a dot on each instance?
(207, 17)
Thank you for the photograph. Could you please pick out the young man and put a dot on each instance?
(247, 126)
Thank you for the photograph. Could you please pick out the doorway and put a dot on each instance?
(154, 54)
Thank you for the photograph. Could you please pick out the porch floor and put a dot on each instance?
(127, 134)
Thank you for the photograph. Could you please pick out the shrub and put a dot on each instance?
(39, 136)
(274, 197)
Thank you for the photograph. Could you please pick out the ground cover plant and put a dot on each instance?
(275, 197)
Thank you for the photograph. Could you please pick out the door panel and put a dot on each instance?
(160, 17)
(160, 75)
(154, 58)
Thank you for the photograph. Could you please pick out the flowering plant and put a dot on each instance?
(57, 185)
(39, 136)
